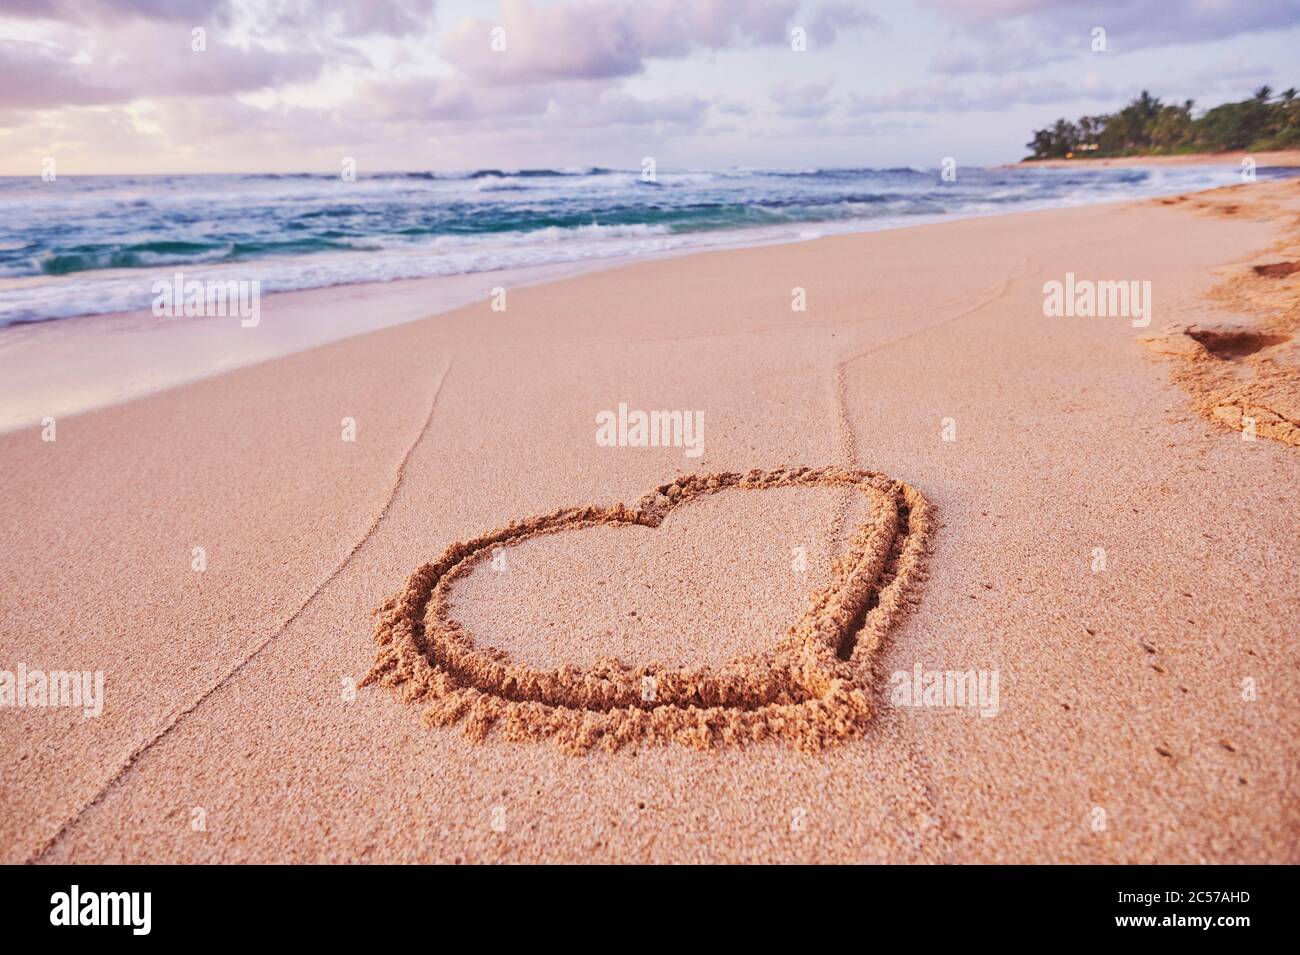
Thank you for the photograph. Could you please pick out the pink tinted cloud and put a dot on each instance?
(946, 96)
(1130, 24)
(341, 19)
(451, 100)
(807, 101)
(616, 108)
(446, 99)
(158, 61)
(590, 39)
(138, 60)
(81, 11)
(33, 76)
(1001, 50)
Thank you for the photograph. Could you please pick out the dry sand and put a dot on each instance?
(1280, 157)
(1242, 367)
(234, 729)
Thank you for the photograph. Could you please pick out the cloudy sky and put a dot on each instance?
(111, 86)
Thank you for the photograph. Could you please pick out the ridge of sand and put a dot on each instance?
(1244, 375)
(811, 690)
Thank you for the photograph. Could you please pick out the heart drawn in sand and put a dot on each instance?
(811, 689)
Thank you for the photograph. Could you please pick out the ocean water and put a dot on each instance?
(96, 244)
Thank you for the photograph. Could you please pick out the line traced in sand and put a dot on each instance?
(138, 753)
(812, 689)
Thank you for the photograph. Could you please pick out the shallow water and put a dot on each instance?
(96, 244)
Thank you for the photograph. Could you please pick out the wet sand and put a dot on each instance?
(1147, 702)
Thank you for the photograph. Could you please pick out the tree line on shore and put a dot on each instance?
(1147, 126)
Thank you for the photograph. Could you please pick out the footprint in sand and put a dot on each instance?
(1245, 376)
(811, 688)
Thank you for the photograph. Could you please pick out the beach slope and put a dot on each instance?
(1120, 558)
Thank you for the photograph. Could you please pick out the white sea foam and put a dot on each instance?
(62, 247)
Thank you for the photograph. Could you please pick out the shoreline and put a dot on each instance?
(53, 372)
(1123, 568)
(1284, 157)
(136, 354)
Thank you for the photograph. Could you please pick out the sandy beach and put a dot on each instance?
(1280, 157)
(1061, 501)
